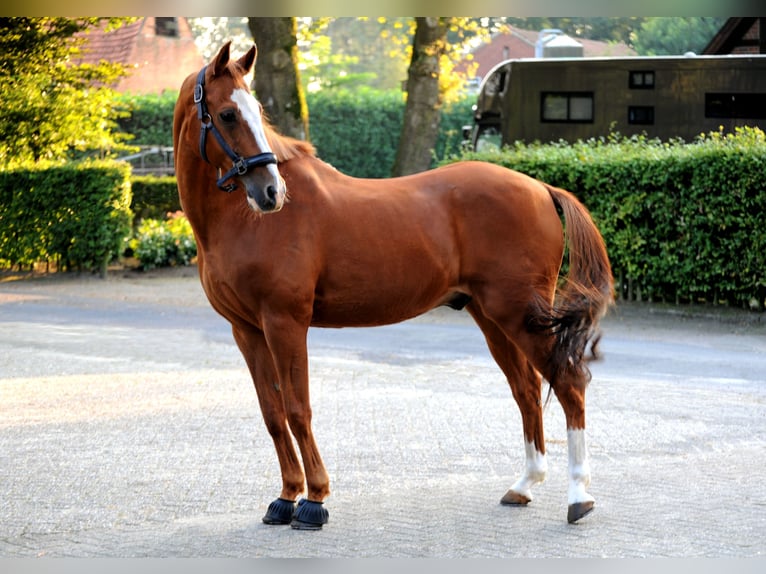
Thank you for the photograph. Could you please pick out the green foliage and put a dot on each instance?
(154, 197)
(148, 118)
(77, 215)
(682, 222)
(164, 243)
(604, 28)
(53, 108)
(664, 36)
(358, 131)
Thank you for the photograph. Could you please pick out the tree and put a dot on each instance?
(52, 108)
(675, 36)
(607, 29)
(277, 80)
(211, 32)
(421, 115)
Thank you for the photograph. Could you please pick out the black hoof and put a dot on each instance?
(309, 515)
(578, 510)
(280, 512)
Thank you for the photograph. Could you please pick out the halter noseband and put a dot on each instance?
(241, 165)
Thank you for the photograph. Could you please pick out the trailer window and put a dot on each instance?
(641, 115)
(744, 106)
(641, 80)
(566, 107)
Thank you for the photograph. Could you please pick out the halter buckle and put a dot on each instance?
(199, 93)
(241, 166)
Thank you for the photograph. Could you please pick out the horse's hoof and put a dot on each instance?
(309, 515)
(578, 510)
(280, 512)
(513, 498)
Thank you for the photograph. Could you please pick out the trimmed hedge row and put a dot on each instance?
(75, 215)
(154, 197)
(682, 223)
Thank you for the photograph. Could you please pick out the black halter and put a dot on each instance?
(241, 165)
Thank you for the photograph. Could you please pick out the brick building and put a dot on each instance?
(739, 36)
(159, 52)
(517, 43)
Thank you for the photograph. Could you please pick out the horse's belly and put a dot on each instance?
(381, 302)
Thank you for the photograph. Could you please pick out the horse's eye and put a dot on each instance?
(228, 116)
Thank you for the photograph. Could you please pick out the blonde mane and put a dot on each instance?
(284, 147)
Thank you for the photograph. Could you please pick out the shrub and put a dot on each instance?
(358, 131)
(164, 243)
(149, 117)
(153, 196)
(76, 215)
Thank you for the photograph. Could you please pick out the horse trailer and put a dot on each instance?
(574, 99)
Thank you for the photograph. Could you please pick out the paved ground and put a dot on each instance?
(129, 428)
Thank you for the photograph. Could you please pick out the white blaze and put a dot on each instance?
(251, 112)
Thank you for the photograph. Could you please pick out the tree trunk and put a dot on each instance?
(422, 114)
(277, 82)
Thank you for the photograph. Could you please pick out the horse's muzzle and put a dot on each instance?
(266, 197)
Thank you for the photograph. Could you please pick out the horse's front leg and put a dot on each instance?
(286, 339)
(252, 344)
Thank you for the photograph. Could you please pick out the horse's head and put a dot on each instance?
(239, 149)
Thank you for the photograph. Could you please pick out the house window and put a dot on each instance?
(166, 27)
(641, 80)
(727, 105)
(570, 107)
(641, 115)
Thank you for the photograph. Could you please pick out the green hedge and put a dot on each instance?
(75, 215)
(149, 117)
(682, 223)
(358, 131)
(154, 197)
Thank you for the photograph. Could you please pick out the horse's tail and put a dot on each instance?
(581, 300)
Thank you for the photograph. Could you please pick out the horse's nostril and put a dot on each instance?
(271, 193)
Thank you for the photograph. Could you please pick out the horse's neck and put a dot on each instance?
(203, 204)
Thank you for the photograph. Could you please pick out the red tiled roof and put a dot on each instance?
(154, 61)
(113, 46)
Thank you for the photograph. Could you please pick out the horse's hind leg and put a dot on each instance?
(569, 387)
(525, 385)
(253, 346)
(571, 395)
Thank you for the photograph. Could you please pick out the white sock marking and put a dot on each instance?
(534, 473)
(579, 468)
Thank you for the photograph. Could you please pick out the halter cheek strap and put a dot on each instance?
(241, 165)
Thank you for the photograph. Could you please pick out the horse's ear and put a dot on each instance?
(247, 61)
(222, 59)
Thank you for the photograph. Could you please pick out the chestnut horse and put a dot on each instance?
(303, 245)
